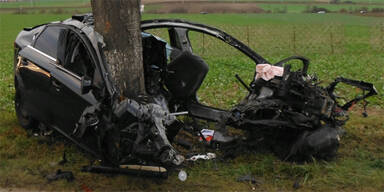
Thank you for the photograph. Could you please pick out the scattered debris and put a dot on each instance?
(138, 170)
(208, 134)
(268, 72)
(59, 174)
(182, 175)
(208, 156)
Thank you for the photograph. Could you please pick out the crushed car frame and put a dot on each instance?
(63, 83)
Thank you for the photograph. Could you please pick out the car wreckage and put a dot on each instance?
(63, 83)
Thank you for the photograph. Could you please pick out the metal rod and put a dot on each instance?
(139, 170)
(242, 82)
(180, 113)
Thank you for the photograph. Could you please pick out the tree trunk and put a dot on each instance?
(119, 23)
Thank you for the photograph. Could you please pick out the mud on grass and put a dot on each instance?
(26, 160)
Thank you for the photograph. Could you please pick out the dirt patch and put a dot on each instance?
(207, 7)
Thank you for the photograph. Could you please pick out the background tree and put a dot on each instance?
(119, 23)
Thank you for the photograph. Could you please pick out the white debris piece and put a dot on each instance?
(208, 156)
(208, 134)
(267, 71)
(182, 175)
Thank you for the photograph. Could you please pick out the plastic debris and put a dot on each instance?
(208, 134)
(208, 156)
(182, 175)
(268, 72)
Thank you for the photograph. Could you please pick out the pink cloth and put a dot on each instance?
(268, 72)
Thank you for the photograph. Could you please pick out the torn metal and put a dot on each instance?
(294, 114)
(288, 113)
(133, 131)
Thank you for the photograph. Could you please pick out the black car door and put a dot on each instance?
(36, 62)
(67, 99)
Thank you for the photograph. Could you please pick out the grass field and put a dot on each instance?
(300, 8)
(276, 6)
(273, 8)
(49, 3)
(44, 3)
(357, 53)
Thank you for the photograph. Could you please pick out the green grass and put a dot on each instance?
(24, 160)
(44, 3)
(41, 6)
(272, 19)
(48, 3)
(300, 8)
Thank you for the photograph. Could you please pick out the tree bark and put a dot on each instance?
(118, 21)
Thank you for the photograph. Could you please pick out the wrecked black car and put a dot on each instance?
(62, 83)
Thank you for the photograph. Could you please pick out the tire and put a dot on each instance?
(25, 120)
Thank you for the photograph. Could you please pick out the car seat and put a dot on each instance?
(185, 75)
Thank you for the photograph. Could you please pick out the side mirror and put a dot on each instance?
(86, 84)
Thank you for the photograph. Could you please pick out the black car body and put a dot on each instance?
(62, 82)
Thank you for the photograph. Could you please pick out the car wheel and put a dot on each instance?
(25, 120)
